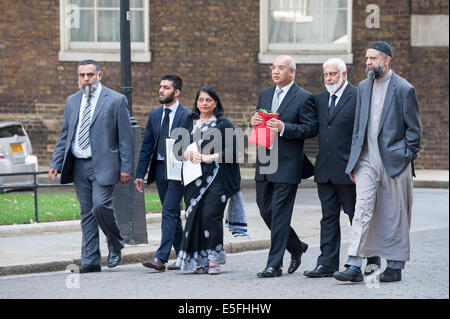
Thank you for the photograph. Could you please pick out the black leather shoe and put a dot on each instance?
(295, 262)
(155, 264)
(173, 266)
(270, 272)
(372, 264)
(114, 259)
(88, 268)
(320, 271)
(351, 274)
(390, 275)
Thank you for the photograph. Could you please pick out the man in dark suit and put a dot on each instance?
(161, 122)
(94, 151)
(336, 112)
(276, 191)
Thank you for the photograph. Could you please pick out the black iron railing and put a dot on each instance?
(35, 185)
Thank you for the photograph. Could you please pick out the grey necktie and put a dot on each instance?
(83, 135)
(276, 100)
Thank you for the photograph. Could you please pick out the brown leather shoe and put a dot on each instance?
(173, 266)
(155, 264)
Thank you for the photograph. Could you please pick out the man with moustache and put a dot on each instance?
(386, 140)
(161, 122)
(94, 151)
(336, 113)
(275, 192)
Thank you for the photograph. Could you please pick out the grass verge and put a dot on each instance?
(18, 208)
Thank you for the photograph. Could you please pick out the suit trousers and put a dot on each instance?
(333, 197)
(96, 210)
(275, 202)
(170, 194)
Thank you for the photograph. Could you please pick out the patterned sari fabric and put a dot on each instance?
(205, 204)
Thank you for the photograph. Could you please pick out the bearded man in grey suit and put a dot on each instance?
(386, 140)
(94, 151)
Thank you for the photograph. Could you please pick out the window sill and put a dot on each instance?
(303, 58)
(102, 56)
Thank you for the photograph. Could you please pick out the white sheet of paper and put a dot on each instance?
(173, 166)
(191, 171)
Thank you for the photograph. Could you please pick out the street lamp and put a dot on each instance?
(129, 204)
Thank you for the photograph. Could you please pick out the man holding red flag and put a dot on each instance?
(276, 191)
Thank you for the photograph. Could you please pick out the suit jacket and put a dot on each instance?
(399, 131)
(335, 136)
(110, 138)
(298, 113)
(149, 149)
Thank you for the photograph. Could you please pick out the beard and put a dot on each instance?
(377, 72)
(168, 99)
(333, 88)
(88, 90)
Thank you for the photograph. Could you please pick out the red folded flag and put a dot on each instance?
(262, 135)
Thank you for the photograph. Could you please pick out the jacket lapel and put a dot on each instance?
(76, 109)
(387, 101)
(177, 117)
(157, 125)
(366, 101)
(288, 98)
(74, 116)
(344, 98)
(266, 100)
(100, 102)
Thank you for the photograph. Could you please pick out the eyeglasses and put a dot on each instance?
(280, 68)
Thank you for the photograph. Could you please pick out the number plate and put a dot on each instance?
(16, 148)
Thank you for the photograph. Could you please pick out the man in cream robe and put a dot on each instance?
(386, 140)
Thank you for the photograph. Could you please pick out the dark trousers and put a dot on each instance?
(333, 197)
(96, 210)
(170, 194)
(275, 202)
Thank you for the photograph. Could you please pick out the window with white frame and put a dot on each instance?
(309, 30)
(91, 29)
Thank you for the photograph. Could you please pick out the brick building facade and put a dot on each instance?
(208, 42)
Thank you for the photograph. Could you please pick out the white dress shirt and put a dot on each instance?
(76, 149)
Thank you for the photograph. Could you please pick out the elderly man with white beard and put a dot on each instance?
(386, 140)
(336, 113)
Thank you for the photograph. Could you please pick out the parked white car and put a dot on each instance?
(16, 154)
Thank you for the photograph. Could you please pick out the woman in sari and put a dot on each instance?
(202, 249)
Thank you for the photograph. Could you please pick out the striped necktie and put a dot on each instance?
(83, 135)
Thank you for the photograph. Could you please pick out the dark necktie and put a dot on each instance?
(83, 134)
(164, 133)
(332, 104)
